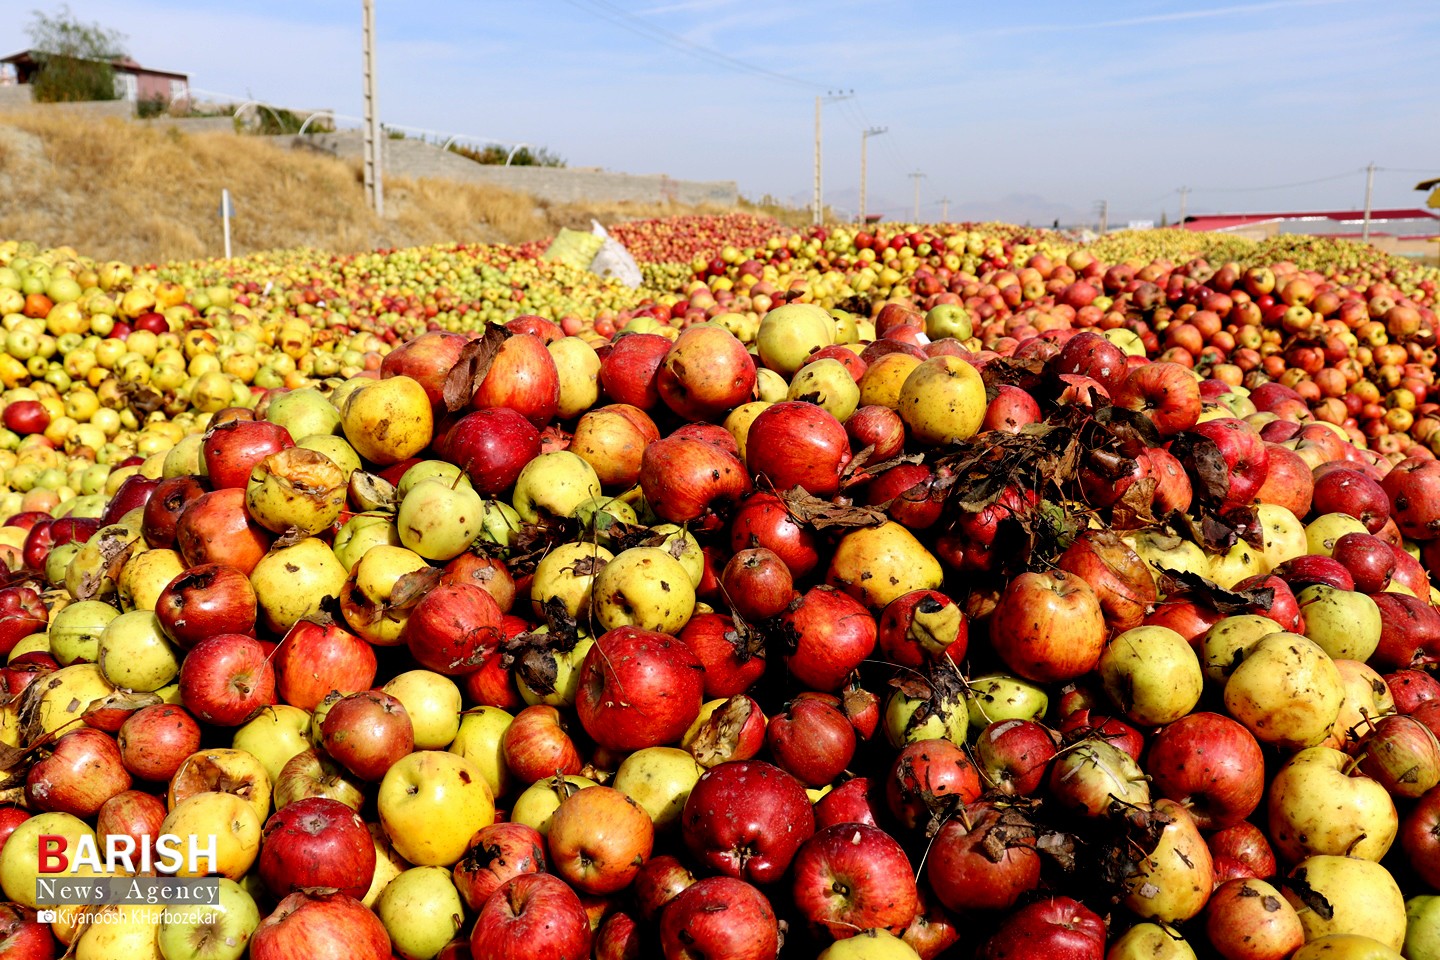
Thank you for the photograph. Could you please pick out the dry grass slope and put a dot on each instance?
(125, 191)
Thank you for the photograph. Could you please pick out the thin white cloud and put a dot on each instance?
(684, 6)
(1177, 16)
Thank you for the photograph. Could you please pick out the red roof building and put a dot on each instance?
(1410, 224)
(132, 81)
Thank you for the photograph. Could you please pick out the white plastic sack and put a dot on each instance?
(613, 260)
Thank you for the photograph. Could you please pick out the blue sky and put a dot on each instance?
(1021, 110)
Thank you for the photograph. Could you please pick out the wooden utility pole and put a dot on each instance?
(917, 176)
(819, 214)
(374, 190)
(865, 136)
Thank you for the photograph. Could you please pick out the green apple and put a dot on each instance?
(659, 779)
(1224, 645)
(948, 320)
(554, 483)
(434, 704)
(1422, 928)
(304, 413)
(645, 587)
(1316, 806)
(1150, 941)
(1362, 898)
(827, 384)
(1345, 623)
(431, 803)
(998, 696)
(567, 573)
(870, 944)
(1287, 692)
(481, 732)
(134, 653)
(1346, 946)
(1152, 675)
(566, 685)
(20, 858)
(538, 802)
(422, 911)
(791, 333)
(439, 520)
(219, 931)
(274, 735)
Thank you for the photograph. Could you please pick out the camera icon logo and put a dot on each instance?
(45, 916)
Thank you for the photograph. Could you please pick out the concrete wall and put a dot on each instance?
(415, 158)
(18, 98)
(14, 96)
(193, 124)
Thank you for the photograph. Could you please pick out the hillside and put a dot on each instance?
(130, 192)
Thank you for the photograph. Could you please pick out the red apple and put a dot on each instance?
(639, 688)
(1057, 928)
(492, 446)
(216, 528)
(155, 740)
(226, 678)
(832, 634)
(205, 600)
(719, 917)
(162, 511)
(317, 924)
(793, 443)
(984, 858)
(82, 771)
(1165, 392)
(1211, 765)
(316, 658)
(686, 480)
(1242, 846)
(762, 520)
(454, 629)
(746, 819)
(367, 732)
(536, 745)
(233, 448)
(1011, 756)
(534, 916)
(853, 877)
(1048, 627)
(316, 842)
(757, 584)
(598, 839)
(927, 779)
(813, 741)
(523, 378)
(497, 853)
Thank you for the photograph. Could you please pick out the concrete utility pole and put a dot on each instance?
(819, 101)
(1369, 191)
(865, 136)
(1104, 208)
(374, 191)
(944, 209)
(1184, 195)
(917, 176)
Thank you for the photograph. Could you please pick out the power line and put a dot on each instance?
(1281, 186)
(640, 27)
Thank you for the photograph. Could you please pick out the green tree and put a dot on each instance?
(74, 57)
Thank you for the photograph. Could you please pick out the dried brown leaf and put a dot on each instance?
(470, 369)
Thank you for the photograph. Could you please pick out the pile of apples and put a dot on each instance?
(942, 629)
